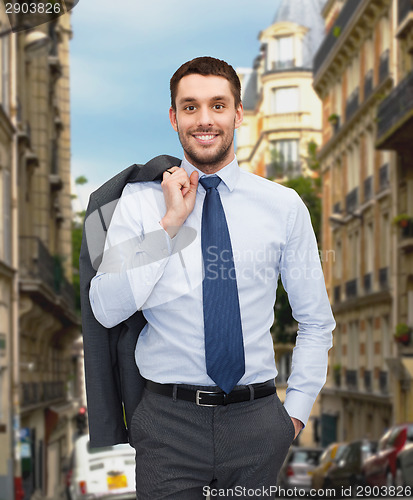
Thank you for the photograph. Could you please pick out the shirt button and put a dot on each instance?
(165, 251)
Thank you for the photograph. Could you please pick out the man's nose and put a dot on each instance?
(205, 117)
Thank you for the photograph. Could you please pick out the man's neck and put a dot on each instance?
(210, 169)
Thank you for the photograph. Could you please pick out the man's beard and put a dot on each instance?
(204, 157)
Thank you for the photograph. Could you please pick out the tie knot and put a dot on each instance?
(210, 182)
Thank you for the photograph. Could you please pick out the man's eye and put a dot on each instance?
(219, 106)
(189, 108)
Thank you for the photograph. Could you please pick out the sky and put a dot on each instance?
(123, 55)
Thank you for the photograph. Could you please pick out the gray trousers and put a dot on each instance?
(184, 451)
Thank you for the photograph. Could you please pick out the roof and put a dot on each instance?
(304, 13)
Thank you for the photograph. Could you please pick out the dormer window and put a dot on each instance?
(284, 53)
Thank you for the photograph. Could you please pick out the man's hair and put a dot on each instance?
(206, 66)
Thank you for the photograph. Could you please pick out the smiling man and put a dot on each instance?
(210, 418)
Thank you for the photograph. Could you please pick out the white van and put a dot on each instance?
(101, 472)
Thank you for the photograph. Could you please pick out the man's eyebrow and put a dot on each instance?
(185, 100)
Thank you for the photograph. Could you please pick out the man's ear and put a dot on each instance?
(172, 118)
(239, 116)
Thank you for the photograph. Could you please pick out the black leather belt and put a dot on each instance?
(215, 396)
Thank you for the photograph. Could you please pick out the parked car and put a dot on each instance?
(297, 466)
(326, 460)
(404, 467)
(381, 468)
(347, 468)
(101, 472)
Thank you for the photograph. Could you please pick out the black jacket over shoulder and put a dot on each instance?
(113, 383)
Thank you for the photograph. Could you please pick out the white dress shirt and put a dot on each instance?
(271, 234)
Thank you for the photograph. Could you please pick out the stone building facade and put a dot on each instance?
(37, 364)
(354, 69)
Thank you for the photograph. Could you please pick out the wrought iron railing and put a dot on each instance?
(337, 208)
(330, 40)
(404, 7)
(384, 278)
(351, 289)
(384, 180)
(367, 282)
(368, 380)
(368, 84)
(395, 106)
(368, 188)
(407, 231)
(351, 379)
(337, 293)
(352, 200)
(352, 103)
(384, 65)
(36, 263)
(41, 392)
(383, 382)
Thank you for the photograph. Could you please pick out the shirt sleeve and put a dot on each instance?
(303, 280)
(134, 259)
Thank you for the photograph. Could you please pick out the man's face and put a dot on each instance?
(205, 119)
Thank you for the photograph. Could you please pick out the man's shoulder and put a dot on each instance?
(263, 186)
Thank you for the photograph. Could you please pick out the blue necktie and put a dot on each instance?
(224, 347)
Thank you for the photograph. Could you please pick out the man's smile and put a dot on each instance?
(205, 138)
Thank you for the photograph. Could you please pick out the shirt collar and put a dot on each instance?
(229, 174)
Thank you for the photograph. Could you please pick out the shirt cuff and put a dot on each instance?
(298, 405)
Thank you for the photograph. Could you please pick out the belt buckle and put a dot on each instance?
(197, 398)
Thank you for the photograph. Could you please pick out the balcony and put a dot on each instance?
(384, 66)
(395, 117)
(351, 289)
(384, 178)
(367, 282)
(368, 381)
(331, 39)
(368, 188)
(337, 208)
(368, 84)
(405, 17)
(406, 237)
(352, 103)
(280, 169)
(384, 278)
(352, 200)
(41, 272)
(283, 65)
(36, 393)
(351, 380)
(283, 121)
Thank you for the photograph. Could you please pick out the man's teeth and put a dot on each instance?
(205, 137)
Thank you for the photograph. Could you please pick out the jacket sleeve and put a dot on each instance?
(134, 259)
(105, 409)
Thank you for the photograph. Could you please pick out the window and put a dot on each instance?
(370, 153)
(369, 345)
(353, 346)
(385, 241)
(369, 235)
(369, 48)
(284, 100)
(284, 158)
(353, 167)
(284, 52)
